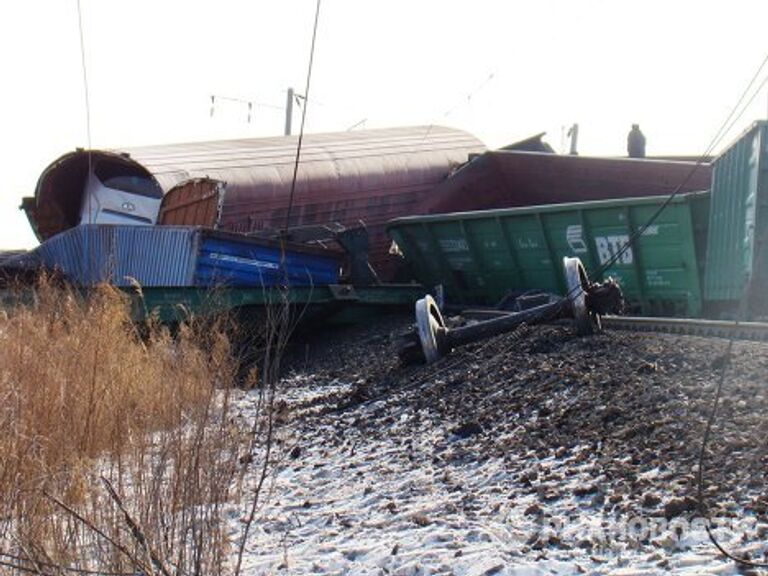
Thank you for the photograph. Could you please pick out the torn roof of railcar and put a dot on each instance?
(510, 178)
(334, 158)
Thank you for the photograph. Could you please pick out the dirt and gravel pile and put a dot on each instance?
(531, 453)
(629, 403)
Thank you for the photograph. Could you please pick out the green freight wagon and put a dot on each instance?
(738, 227)
(331, 303)
(481, 257)
(334, 303)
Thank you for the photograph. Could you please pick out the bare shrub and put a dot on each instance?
(117, 453)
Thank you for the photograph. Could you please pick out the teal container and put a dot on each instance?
(738, 225)
(481, 257)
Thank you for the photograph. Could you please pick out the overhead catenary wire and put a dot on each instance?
(725, 127)
(303, 118)
(735, 114)
(465, 101)
(726, 362)
(85, 78)
(85, 95)
(87, 101)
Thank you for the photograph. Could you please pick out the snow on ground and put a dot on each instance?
(390, 485)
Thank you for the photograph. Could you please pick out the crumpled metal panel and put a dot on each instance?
(122, 255)
(196, 202)
(509, 179)
(348, 177)
(228, 260)
(178, 256)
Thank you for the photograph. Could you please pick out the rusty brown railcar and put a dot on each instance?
(352, 177)
(510, 179)
(244, 185)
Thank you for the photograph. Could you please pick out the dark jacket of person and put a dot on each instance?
(636, 143)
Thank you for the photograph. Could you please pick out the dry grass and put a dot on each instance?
(117, 453)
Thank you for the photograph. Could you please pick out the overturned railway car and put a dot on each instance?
(481, 257)
(514, 178)
(698, 254)
(370, 176)
(245, 185)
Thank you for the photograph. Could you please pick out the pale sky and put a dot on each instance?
(502, 70)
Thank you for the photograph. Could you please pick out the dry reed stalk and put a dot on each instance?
(82, 397)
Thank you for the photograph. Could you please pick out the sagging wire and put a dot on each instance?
(725, 128)
(89, 154)
(303, 119)
(700, 473)
(569, 297)
(726, 362)
(465, 101)
(85, 79)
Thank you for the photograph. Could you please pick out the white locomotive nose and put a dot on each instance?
(116, 195)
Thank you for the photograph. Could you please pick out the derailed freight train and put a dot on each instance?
(704, 254)
(373, 176)
(245, 185)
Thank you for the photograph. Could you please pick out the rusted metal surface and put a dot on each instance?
(196, 202)
(508, 179)
(533, 143)
(370, 176)
(59, 194)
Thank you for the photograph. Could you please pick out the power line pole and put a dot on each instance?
(573, 134)
(288, 111)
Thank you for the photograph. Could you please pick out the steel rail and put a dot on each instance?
(757, 331)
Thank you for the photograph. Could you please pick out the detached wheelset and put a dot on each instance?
(585, 302)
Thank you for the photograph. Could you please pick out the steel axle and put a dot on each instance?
(584, 302)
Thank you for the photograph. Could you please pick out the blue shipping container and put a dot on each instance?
(170, 256)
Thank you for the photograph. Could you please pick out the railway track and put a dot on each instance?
(588, 305)
(757, 331)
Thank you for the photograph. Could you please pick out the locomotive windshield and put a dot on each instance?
(127, 178)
